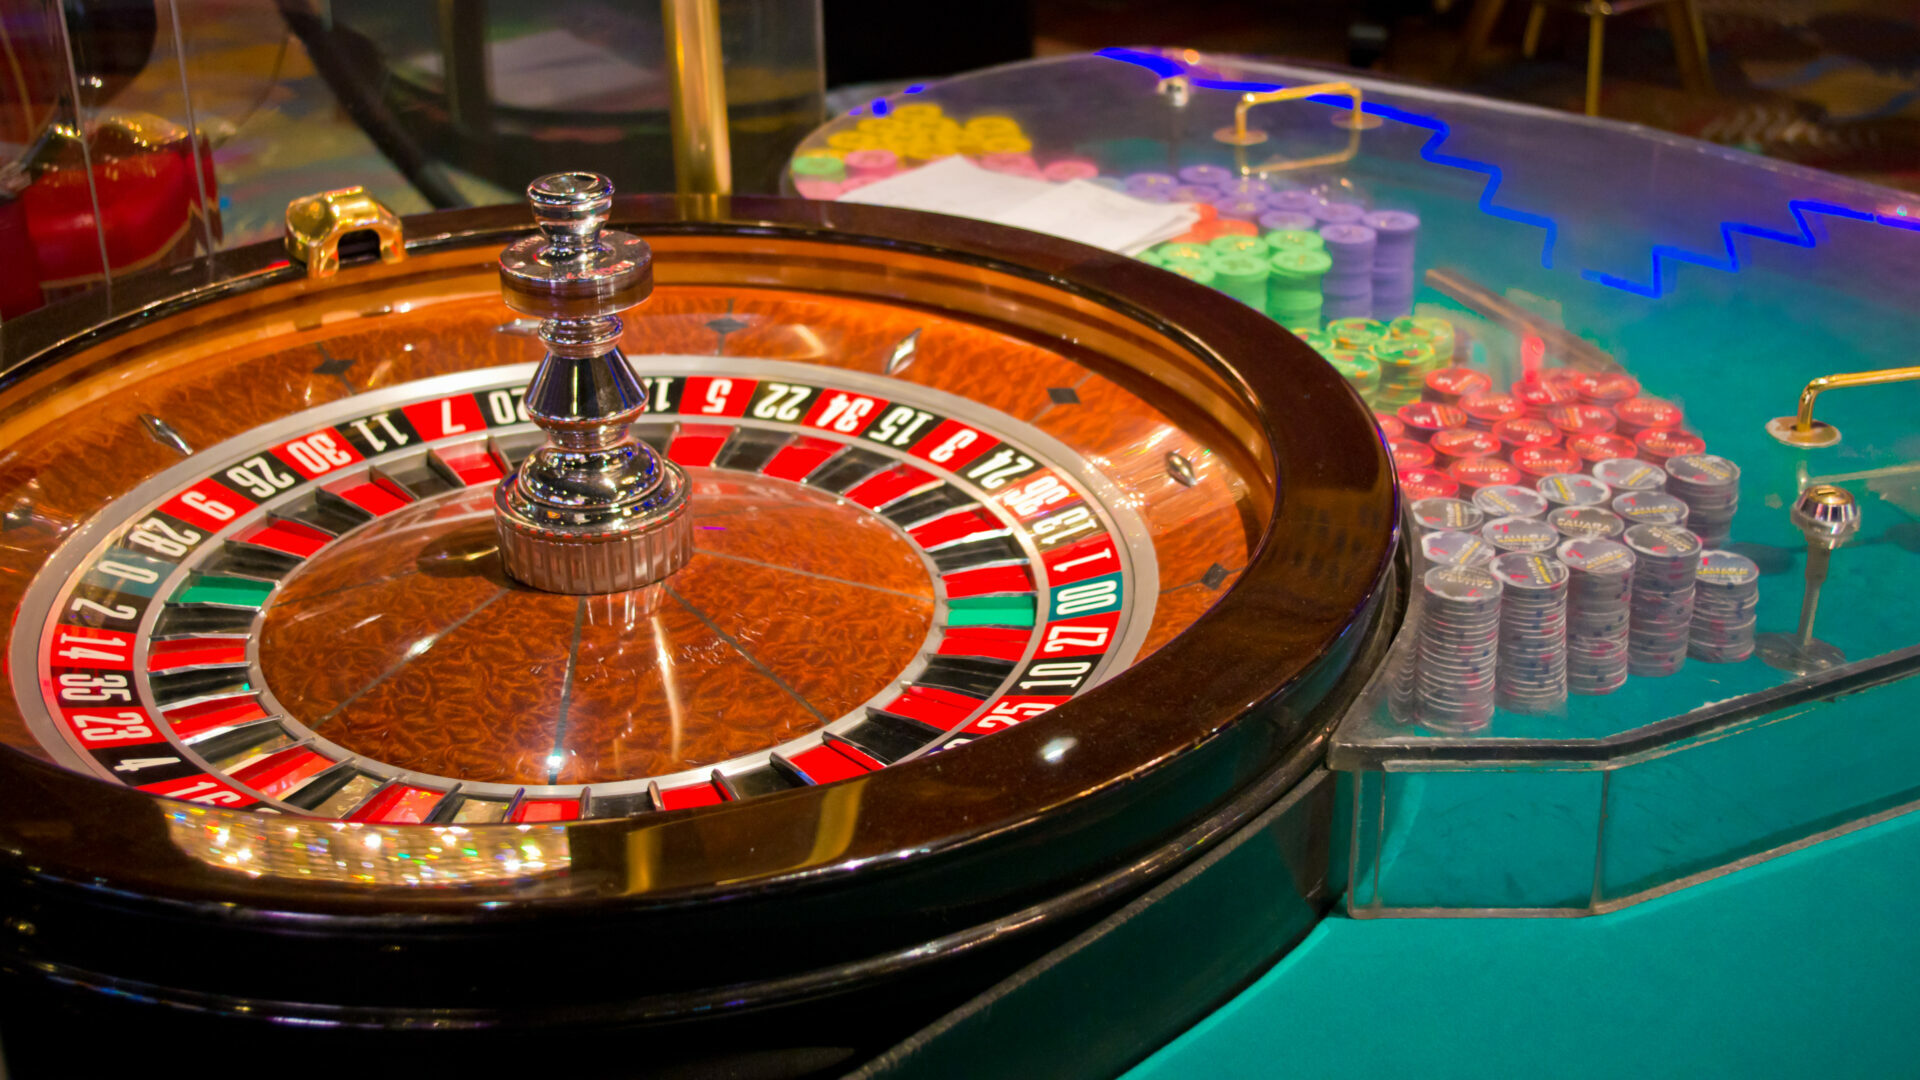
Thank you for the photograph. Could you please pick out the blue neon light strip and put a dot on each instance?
(1430, 151)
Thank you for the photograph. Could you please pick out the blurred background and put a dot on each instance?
(185, 126)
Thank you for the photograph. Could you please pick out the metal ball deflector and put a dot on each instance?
(594, 510)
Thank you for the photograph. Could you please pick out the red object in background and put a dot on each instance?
(149, 203)
(20, 285)
(149, 197)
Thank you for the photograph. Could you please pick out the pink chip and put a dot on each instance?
(1070, 169)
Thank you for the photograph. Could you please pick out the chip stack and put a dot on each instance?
(1211, 176)
(1349, 284)
(1281, 239)
(1152, 186)
(1243, 277)
(1473, 474)
(1586, 522)
(1650, 508)
(1710, 486)
(1193, 193)
(1286, 221)
(1450, 547)
(1458, 444)
(1594, 448)
(1293, 287)
(1526, 431)
(1484, 410)
(1450, 384)
(1334, 212)
(1431, 329)
(1239, 207)
(1393, 277)
(1362, 372)
(1659, 444)
(1423, 418)
(1629, 474)
(1404, 367)
(1666, 559)
(1441, 515)
(1294, 201)
(1573, 489)
(1240, 245)
(1528, 536)
(1599, 591)
(1536, 463)
(1356, 333)
(1459, 643)
(1606, 388)
(1418, 484)
(1184, 254)
(1726, 594)
(1533, 632)
(1638, 414)
(1509, 500)
(1540, 395)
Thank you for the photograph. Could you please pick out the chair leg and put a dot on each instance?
(1530, 41)
(1690, 46)
(1480, 22)
(1596, 39)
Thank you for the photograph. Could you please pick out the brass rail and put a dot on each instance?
(1240, 136)
(1802, 429)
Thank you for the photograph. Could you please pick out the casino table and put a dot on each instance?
(714, 636)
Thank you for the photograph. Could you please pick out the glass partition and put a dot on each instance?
(1572, 330)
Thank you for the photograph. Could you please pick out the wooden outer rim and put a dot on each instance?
(1174, 735)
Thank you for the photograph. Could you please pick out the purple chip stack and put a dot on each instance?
(1274, 220)
(1348, 287)
(1152, 186)
(1212, 176)
(1294, 200)
(1246, 187)
(1338, 213)
(1239, 207)
(1393, 280)
(1193, 193)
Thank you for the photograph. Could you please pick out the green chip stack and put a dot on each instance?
(823, 167)
(1357, 333)
(1429, 330)
(1404, 365)
(1358, 368)
(1151, 258)
(1185, 254)
(1293, 287)
(1320, 341)
(1239, 245)
(1243, 277)
(1295, 238)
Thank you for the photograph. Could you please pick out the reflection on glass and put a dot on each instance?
(366, 854)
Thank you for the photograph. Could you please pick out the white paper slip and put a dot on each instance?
(950, 186)
(1091, 214)
(1077, 210)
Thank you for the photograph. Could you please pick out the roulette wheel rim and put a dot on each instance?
(1278, 647)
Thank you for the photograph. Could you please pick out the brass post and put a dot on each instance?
(702, 158)
(1801, 429)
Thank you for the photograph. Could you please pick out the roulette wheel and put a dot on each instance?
(765, 627)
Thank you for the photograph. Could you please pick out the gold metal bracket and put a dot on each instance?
(1240, 136)
(316, 223)
(1802, 429)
